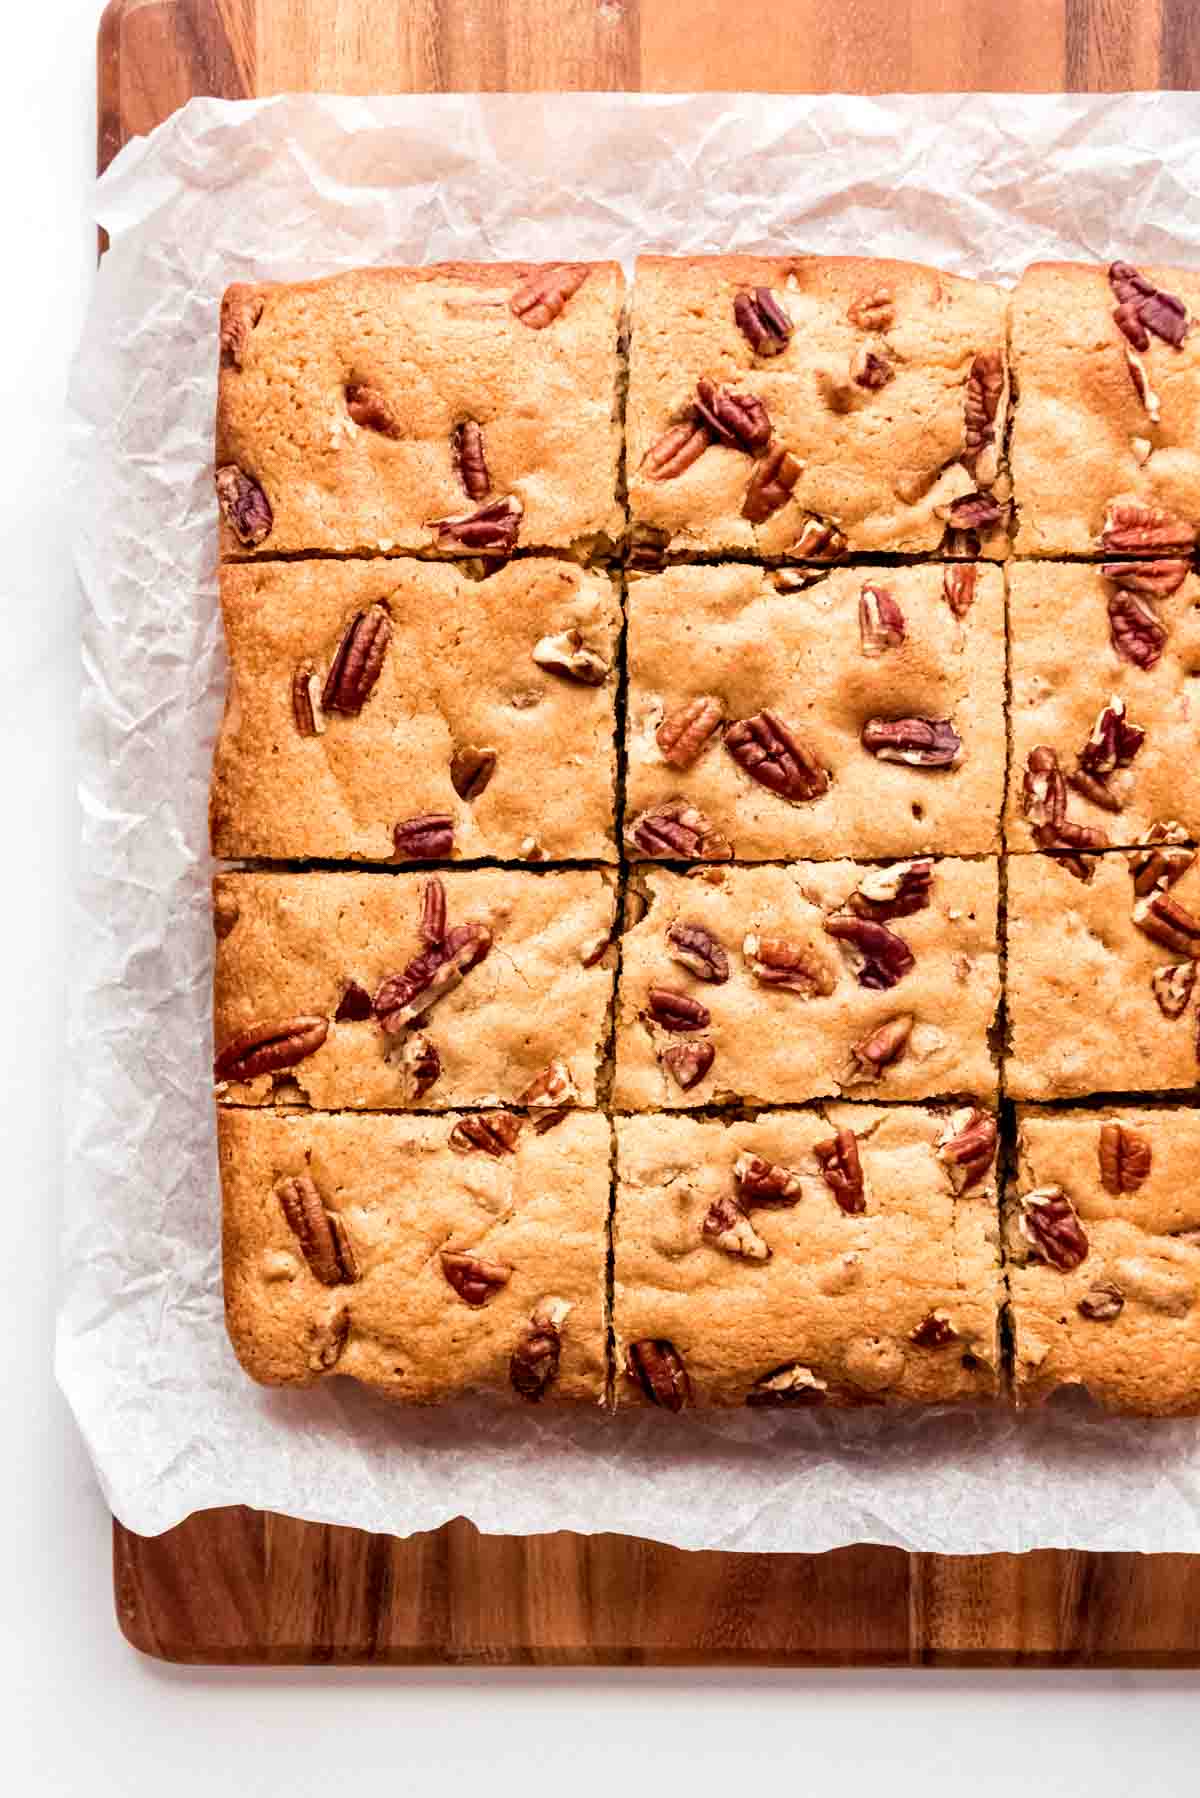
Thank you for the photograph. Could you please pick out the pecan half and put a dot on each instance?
(534, 1361)
(1125, 1158)
(421, 1063)
(765, 748)
(371, 409)
(1135, 629)
(1114, 740)
(432, 927)
(684, 732)
(1167, 922)
(354, 1006)
(775, 961)
(1161, 858)
(470, 461)
(958, 586)
(474, 1279)
(727, 1228)
(790, 1385)
(894, 892)
(568, 655)
(870, 368)
(967, 1145)
(1100, 1304)
(265, 1048)
(676, 1011)
(238, 318)
(819, 540)
(737, 419)
(657, 1367)
(322, 1235)
(880, 621)
(1143, 308)
(883, 1046)
(246, 508)
(492, 530)
(881, 957)
(541, 298)
(935, 1331)
(678, 829)
(981, 402)
(491, 1133)
(1093, 787)
(1172, 987)
(973, 512)
(874, 311)
(688, 1063)
(471, 769)
(429, 976)
(306, 702)
(771, 484)
(762, 1182)
(841, 1169)
(356, 666)
(427, 838)
(762, 321)
(1130, 526)
(1050, 1224)
(553, 1086)
(674, 452)
(921, 742)
(699, 951)
(1157, 580)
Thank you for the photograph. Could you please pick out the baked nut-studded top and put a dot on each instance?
(1105, 455)
(860, 715)
(777, 984)
(799, 406)
(381, 991)
(461, 408)
(1101, 971)
(1103, 1242)
(366, 696)
(805, 1259)
(388, 1249)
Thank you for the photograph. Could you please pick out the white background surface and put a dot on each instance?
(85, 1714)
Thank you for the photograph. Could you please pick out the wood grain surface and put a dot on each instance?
(240, 1586)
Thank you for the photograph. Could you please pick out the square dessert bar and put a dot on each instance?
(802, 406)
(778, 984)
(1105, 707)
(399, 709)
(1100, 973)
(390, 992)
(458, 409)
(1103, 1241)
(860, 715)
(1105, 454)
(414, 1258)
(843, 1257)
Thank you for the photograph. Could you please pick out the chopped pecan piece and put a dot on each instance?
(432, 927)
(1135, 629)
(1157, 580)
(775, 961)
(921, 742)
(1143, 308)
(540, 299)
(676, 1011)
(870, 368)
(1130, 528)
(974, 512)
(762, 321)
(322, 1234)
(1050, 1224)
(771, 484)
(371, 410)
(688, 1063)
(491, 530)
(473, 1279)
(1114, 741)
(428, 838)
(429, 976)
(553, 1086)
(238, 318)
(1167, 922)
(466, 945)
(958, 586)
(1080, 836)
(894, 892)
(647, 548)
(935, 1331)
(1101, 1303)
(326, 1340)
(534, 1361)
(882, 1047)
(819, 541)
(738, 419)
(1125, 1158)
(699, 951)
(245, 506)
(790, 1385)
(880, 620)
(762, 1182)
(491, 1132)
(765, 748)
(875, 311)
(684, 732)
(354, 1006)
(657, 1367)
(674, 452)
(470, 461)
(470, 770)
(306, 703)
(225, 913)
(882, 958)
(266, 1048)
(568, 655)
(981, 402)
(1161, 858)
(678, 829)
(356, 666)
(1141, 385)
(1044, 794)
(1173, 986)
(968, 1146)
(841, 1169)
(422, 1064)
(727, 1227)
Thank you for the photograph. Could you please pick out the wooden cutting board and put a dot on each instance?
(237, 1585)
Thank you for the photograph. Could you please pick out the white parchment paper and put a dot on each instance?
(297, 187)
